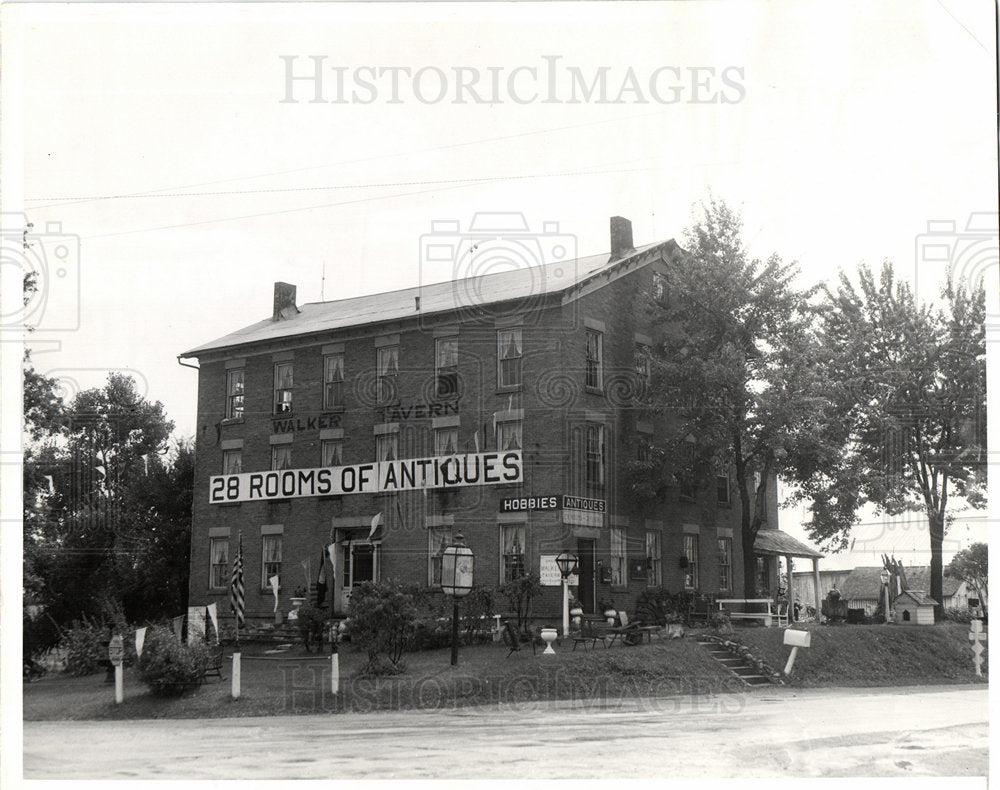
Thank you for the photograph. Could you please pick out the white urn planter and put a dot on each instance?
(549, 636)
(610, 614)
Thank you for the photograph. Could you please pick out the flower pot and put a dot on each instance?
(610, 614)
(549, 636)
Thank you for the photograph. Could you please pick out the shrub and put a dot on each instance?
(83, 643)
(382, 617)
(311, 622)
(478, 609)
(519, 593)
(170, 667)
(660, 607)
(958, 615)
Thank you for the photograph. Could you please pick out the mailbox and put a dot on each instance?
(797, 638)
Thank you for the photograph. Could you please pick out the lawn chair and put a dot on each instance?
(513, 640)
(591, 630)
(632, 633)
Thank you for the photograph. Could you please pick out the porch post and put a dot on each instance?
(816, 583)
(791, 589)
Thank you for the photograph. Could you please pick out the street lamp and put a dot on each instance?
(884, 576)
(568, 564)
(457, 562)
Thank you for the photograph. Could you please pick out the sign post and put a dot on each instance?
(116, 655)
(977, 636)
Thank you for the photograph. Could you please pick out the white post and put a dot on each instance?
(819, 600)
(565, 582)
(237, 662)
(886, 602)
(791, 588)
(334, 673)
(791, 660)
(119, 684)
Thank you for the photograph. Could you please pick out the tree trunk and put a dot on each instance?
(748, 537)
(936, 524)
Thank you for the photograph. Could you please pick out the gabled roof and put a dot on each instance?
(527, 284)
(865, 583)
(774, 541)
(919, 596)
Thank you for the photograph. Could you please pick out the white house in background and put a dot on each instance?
(861, 589)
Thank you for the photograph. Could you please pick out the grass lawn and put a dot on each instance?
(483, 675)
(871, 655)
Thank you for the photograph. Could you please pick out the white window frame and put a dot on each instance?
(438, 539)
(278, 452)
(725, 564)
(446, 367)
(594, 374)
(333, 387)
(387, 373)
(328, 446)
(228, 457)
(660, 286)
(441, 436)
(235, 390)
(387, 446)
(520, 530)
(515, 360)
(272, 567)
(654, 559)
(619, 571)
(283, 394)
(507, 430)
(594, 454)
(218, 563)
(691, 552)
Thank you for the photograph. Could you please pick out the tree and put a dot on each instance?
(972, 566)
(735, 371)
(910, 394)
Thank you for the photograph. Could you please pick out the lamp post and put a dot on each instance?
(457, 562)
(884, 576)
(568, 564)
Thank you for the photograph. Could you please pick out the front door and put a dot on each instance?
(585, 550)
(358, 563)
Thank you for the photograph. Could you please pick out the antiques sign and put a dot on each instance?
(471, 469)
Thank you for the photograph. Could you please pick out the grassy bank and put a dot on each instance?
(484, 675)
(871, 655)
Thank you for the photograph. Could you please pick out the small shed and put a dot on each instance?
(914, 607)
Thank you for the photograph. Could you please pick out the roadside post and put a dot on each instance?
(116, 655)
(796, 639)
(237, 662)
(977, 636)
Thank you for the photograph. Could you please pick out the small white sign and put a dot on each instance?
(548, 572)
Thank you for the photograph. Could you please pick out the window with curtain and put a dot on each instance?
(331, 452)
(595, 368)
(642, 366)
(725, 563)
(234, 394)
(270, 559)
(509, 435)
(283, 388)
(509, 358)
(333, 381)
(722, 489)
(446, 367)
(387, 447)
(653, 560)
(691, 552)
(595, 455)
(281, 456)
(617, 556)
(660, 290)
(512, 555)
(438, 539)
(218, 573)
(446, 441)
(232, 462)
(387, 373)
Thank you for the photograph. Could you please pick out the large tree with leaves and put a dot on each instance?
(735, 369)
(972, 566)
(910, 395)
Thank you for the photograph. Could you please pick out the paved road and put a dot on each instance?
(764, 733)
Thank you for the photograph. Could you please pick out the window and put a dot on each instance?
(232, 462)
(446, 441)
(660, 290)
(509, 435)
(512, 562)
(725, 563)
(446, 367)
(595, 455)
(509, 358)
(218, 569)
(333, 381)
(691, 552)
(722, 489)
(617, 556)
(685, 478)
(283, 388)
(387, 373)
(763, 575)
(595, 371)
(281, 456)
(270, 559)
(331, 452)
(387, 447)
(642, 366)
(653, 558)
(234, 394)
(438, 539)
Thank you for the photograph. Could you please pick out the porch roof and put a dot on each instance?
(776, 542)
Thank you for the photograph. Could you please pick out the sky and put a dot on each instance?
(177, 160)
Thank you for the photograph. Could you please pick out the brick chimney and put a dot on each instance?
(284, 302)
(621, 238)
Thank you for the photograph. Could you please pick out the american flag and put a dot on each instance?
(236, 599)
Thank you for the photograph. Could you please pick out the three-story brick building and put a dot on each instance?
(528, 379)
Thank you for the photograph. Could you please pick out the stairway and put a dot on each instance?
(747, 673)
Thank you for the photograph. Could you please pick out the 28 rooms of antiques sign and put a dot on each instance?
(471, 469)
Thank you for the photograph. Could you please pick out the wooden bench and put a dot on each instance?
(762, 607)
